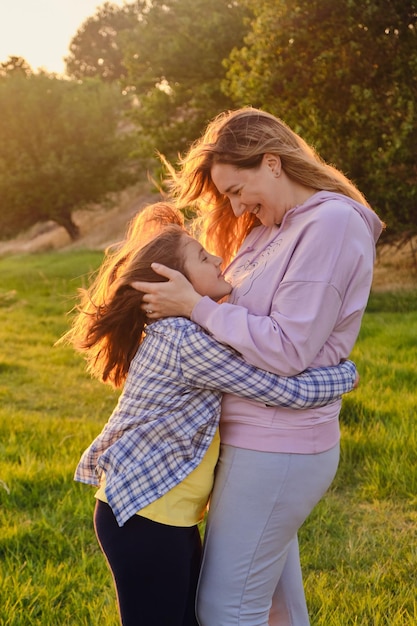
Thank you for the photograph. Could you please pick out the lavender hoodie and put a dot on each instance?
(300, 291)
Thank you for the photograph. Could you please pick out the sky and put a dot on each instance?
(40, 31)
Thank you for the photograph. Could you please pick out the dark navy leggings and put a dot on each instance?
(155, 568)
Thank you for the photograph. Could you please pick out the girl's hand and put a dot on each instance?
(176, 297)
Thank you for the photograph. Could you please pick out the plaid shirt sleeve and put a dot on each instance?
(208, 364)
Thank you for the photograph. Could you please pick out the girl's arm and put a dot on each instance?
(211, 365)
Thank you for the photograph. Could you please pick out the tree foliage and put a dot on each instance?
(15, 65)
(61, 149)
(170, 54)
(175, 61)
(344, 75)
(96, 48)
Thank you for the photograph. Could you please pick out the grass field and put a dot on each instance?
(359, 546)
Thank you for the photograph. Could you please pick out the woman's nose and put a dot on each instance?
(238, 207)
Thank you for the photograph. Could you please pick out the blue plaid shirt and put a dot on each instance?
(169, 410)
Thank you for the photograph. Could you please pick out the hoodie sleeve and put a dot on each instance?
(317, 307)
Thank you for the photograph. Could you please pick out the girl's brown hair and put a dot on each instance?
(109, 324)
(241, 138)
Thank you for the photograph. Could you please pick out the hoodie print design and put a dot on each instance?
(250, 270)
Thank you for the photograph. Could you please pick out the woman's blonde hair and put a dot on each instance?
(241, 138)
(109, 324)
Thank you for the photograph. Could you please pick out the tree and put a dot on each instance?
(170, 54)
(344, 75)
(61, 149)
(174, 57)
(15, 65)
(96, 48)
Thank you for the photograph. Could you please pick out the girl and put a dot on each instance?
(154, 459)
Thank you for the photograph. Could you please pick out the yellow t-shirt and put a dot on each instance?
(185, 504)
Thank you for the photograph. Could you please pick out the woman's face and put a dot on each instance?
(204, 271)
(256, 191)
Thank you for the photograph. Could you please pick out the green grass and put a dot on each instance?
(358, 548)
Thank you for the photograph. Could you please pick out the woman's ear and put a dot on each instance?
(273, 161)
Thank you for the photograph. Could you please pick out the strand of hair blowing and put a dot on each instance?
(109, 323)
(114, 335)
(115, 330)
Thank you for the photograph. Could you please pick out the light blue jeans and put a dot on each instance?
(251, 574)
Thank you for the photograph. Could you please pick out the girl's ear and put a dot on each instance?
(273, 161)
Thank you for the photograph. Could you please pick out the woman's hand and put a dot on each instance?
(176, 297)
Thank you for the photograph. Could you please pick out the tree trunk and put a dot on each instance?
(70, 226)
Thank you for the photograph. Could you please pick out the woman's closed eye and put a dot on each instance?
(233, 193)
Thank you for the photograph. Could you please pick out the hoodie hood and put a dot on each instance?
(374, 224)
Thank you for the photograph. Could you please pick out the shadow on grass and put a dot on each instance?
(401, 301)
(11, 368)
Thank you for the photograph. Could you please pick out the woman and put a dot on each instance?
(302, 239)
(154, 459)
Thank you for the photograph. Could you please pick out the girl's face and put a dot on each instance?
(203, 270)
(258, 191)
